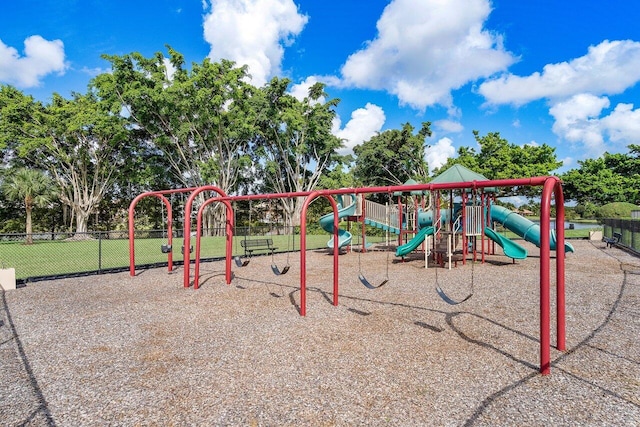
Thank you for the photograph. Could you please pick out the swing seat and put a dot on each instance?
(448, 300)
(190, 249)
(165, 249)
(368, 284)
(241, 263)
(277, 271)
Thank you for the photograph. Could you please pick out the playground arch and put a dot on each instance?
(551, 188)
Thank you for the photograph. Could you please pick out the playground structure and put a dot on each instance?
(551, 186)
(457, 229)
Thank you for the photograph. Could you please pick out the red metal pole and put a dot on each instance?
(303, 249)
(131, 216)
(187, 227)
(400, 241)
(560, 270)
(336, 250)
(363, 209)
(465, 239)
(228, 251)
(483, 223)
(545, 260)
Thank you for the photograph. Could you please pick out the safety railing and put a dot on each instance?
(382, 214)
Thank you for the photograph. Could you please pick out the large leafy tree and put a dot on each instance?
(393, 157)
(609, 178)
(295, 146)
(200, 121)
(500, 159)
(79, 141)
(32, 188)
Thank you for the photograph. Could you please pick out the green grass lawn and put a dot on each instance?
(48, 258)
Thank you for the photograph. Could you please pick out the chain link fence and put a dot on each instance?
(628, 228)
(57, 255)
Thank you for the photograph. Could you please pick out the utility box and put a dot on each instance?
(7, 278)
(595, 235)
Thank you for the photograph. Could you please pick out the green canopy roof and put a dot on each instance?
(459, 173)
(414, 192)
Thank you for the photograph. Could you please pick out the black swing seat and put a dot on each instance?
(277, 271)
(190, 249)
(368, 284)
(241, 263)
(448, 300)
(165, 249)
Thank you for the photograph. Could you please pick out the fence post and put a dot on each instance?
(99, 253)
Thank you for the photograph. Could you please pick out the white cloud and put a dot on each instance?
(365, 123)
(623, 124)
(450, 126)
(252, 32)
(92, 72)
(41, 57)
(608, 68)
(170, 70)
(517, 201)
(426, 49)
(438, 154)
(579, 121)
(301, 90)
(567, 162)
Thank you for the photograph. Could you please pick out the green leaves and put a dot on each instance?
(392, 157)
(607, 179)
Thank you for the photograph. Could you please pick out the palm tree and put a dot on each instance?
(33, 188)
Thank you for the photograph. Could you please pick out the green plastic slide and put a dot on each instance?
(510, 248)
(523, 227)
(411, 245)
(326, 222)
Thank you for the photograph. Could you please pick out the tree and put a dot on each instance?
(609, 178)
(393, 157)
(295, 146)
(31, 187)
(201, 122)
(82, 144)
(499, 159)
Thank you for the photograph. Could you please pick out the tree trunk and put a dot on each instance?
(29, 228)
(82, 221)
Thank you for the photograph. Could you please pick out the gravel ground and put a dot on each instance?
(117, 350)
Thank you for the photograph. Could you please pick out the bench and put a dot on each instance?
(253, 245)
(611, 241)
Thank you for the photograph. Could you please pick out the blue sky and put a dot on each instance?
(564, 73)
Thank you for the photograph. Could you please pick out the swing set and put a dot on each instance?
(551, 187)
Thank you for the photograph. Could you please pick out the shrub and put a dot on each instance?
(616, 210)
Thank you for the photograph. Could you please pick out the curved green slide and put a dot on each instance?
(412, 244)
(527, 229)
(326, 222)
(510, 248)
